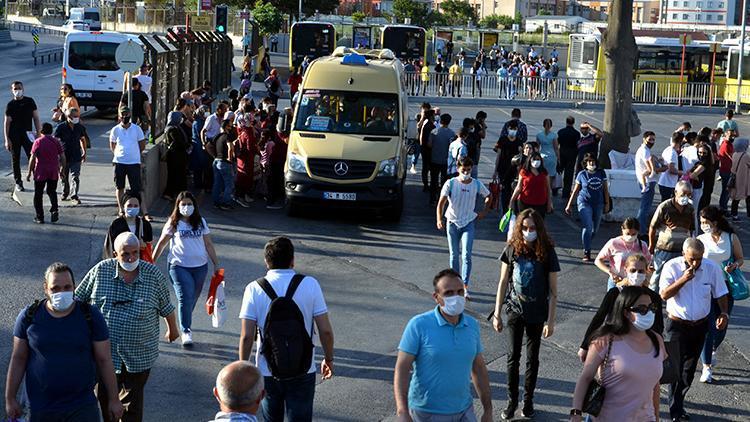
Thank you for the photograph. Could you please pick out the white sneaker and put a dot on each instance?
(187, 338)
(249, 199)
(413, 169)
(707, 375)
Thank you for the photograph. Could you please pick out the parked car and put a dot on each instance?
(76, 25)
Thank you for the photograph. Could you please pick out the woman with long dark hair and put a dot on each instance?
(528, 285)
(722, 246)
(634, 356)
(190, 247)
(67, 101)
(592, 200)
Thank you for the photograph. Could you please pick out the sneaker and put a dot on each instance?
(75, 200)
(528, 409)
(275, 206)
(735, 218)
(64, 198)
(586, 256)
(55, 217)
(249, 199)
(223, 207)
(413, 169)
(508, 412)
(19, 187)
(187, 338)
(707, 375)
(38, 220)
(242, 202)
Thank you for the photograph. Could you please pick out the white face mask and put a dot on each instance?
(629, 238)
(643, 322)
(130, 266)
(187, 210)
(17, 93)
(512, 133)
(536, 164)
(684, 200)
(132, 212)
(464, 177)
(707, 228)
(529, 236)
(591, 168)
(75, 120)
(636, 279)
(454, 305)
(61, 301)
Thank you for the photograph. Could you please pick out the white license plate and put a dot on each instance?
(340, 196)
(84, 94)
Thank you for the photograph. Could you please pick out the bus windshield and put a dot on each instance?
(88, 55)
(406, 43)
(311, 40)
(733, 65)
(362, 113)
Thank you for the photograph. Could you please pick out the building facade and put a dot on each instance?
(527, 8)
(701, 12)
(644, 11)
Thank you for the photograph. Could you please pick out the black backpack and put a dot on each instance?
(287, 344)
(28, 318)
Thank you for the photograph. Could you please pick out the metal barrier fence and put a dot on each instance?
(570, 89)
(51, 54)
(28, 27)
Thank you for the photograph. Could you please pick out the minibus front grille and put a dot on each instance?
(341, 169)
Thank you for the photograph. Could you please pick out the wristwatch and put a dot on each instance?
(576, 412)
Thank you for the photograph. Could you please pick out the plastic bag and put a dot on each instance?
(217, 279)
(505, 220)
(557, 181)
(219, 316)
(511, 225)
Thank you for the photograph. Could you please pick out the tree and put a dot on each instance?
(411, 9)
(291, 7)
(544, 12)
(358, 17)
(459, 12)
(494, 21)
(268, 17)
(620, 52)
(519, 18)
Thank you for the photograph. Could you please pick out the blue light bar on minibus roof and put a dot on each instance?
(354, 60)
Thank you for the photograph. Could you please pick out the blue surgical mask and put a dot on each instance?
(132, 212)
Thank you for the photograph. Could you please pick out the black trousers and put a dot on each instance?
(568, 167)
(177, 165)
(40, 186)
(516, 326)
(426, 164)
(708, 190)
(690, 338)
(276, 183)
(736, 206)
(16, 145)
(437, 171)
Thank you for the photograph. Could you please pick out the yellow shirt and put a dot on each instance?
(425, 74)
(455, 72)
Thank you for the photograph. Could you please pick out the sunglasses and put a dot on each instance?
(643, 309)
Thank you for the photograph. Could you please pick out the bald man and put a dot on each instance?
(132, 295)
(239, 390)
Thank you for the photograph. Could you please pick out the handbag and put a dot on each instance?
(216, 280)
(557, 181)
(147, 253)
(671, 365)
(594, 399)
(732, 181)
(737, 282)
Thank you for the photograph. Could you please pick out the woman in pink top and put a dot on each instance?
(628, 358)
(47, 157)
(611, 259)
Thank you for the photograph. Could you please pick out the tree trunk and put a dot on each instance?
(620, 52)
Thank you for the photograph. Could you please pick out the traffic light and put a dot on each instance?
(222, 13)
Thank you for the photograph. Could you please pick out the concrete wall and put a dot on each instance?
(153, 172)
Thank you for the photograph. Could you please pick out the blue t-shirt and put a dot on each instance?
(592, 187)
(61, 369)
(441, 381)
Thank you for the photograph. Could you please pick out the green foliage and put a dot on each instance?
(268, 17)
(494, 21)
(290, 7)
(459, 12)
(519, 18)
(544, 12)
(358, 16)
(437, 19)
(417, 12)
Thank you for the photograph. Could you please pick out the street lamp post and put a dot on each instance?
(741, 58)
(299, 11)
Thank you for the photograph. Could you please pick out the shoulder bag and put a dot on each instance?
(594, 399)
(732, 181)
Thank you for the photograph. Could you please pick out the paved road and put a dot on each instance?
(375, 276)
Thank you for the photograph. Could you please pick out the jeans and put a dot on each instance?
(516, 326)
(74, 170)
(86, 413)
(467, 415)
(697, 194)
(188, 284)
(660, 257)
(295, 395)
(591, 216)
(610, 284)
(417, 150)
(665, 192)
(223, 182)
(40, 186)
(714, 337)
(690, 339)
(724, 198)
(462, 237)
(16, 145)
(647, 200)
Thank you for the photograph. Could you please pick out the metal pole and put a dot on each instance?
(711, 85)
(741, 58)
(244, 32)
(682, 66)
(130, 93)
(299, 11)
(544, 40)
(199, 7)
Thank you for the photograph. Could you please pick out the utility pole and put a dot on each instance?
(299, 11)
(741, 58)
(200, 5)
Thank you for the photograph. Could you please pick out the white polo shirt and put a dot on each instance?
(127, 150)
(255, 304)
(642, 155)
(693, 301)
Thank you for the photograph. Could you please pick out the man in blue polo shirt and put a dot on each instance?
(443, 347)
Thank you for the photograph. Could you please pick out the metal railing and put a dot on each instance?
(51, 54)
(28, 27)
(565, 89)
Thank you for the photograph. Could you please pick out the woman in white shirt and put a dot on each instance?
(722, 246)
(190, 247)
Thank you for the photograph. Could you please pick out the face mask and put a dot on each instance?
(650, 145)
(584, 132)
(685, 132)
(707, 228)
(536, 164)
(643, 322)
(636, 279)
(512, 133)
(454, 305)
(75, 120)
(591, 168)
(61, 301)
(464, 177)
(132, 212)
(629, 238)
(683, 200)
(187, 210)
(17, 93)
(130, 266)
(529, 236)
(125, 119)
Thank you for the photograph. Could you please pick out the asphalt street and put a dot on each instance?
(375, 277)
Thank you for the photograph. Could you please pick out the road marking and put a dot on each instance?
(589, 116)
(52, 74)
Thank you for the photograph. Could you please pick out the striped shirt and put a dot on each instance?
(131, 310)
(462, 200)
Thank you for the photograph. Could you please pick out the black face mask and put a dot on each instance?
(125, 119)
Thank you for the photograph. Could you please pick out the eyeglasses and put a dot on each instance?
(643, 309)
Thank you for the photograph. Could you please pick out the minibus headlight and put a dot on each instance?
(296, 163)
(388, 167)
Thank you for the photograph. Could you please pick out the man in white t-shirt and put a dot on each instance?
(647, 170)
(675, 167)
(126, 141)
(460, 194)
(296, 394)
(146, 81)
(212, 126)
